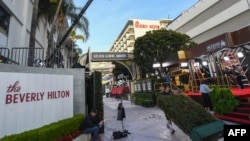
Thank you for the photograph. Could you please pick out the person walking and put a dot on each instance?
(167, 91)
(205, 90)
(90, 125)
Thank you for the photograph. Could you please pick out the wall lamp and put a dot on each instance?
(226, 58)
(184, 64)
(240, 54)
(196, 64)
(204, 63)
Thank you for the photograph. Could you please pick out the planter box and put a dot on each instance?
(208, 132)
(147, 103)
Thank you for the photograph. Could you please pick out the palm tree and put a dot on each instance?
(53, 28)
(76, 51)
(68, 10)
(33, 27)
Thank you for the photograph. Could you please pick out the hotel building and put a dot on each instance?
(133, 29)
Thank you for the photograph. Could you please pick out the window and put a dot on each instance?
(4, 20)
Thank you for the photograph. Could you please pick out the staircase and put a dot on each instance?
(195, 75)
(240, 115)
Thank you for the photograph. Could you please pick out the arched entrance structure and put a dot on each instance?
(119, 57)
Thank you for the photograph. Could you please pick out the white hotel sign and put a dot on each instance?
(29, 101)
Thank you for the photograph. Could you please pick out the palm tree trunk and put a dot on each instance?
(51, 33)
(33, 33)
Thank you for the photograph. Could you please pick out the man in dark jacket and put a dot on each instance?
(91, 125)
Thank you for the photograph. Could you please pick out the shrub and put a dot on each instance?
(184, 112)
(147, 103)
(223, 100)
(144, 99)
(49, 132)
(99, 97)
(99, 94)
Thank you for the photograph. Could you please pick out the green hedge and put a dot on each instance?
(99, 97)
(144, 99)
(99, 94)
(223, 100)
(184, 112)
(49, 132)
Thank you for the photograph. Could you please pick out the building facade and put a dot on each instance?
(133, 29)
(209, 18)
(15, 25)
(221, 29)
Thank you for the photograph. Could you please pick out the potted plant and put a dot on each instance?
(223, 100)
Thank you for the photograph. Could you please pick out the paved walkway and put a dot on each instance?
(144, 124)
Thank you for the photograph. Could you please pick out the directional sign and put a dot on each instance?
(109, 56)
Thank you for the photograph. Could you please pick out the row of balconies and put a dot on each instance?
(128, 50)
(125, 41)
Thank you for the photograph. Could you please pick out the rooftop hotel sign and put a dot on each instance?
(146, 25)
(29, 101)
(109, 56)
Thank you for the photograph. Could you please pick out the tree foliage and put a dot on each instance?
(55, 12)
(47, 9)
(156, 45)
(121, 69)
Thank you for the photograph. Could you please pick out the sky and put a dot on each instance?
(108, 17)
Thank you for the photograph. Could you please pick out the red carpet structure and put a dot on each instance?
(241, 114)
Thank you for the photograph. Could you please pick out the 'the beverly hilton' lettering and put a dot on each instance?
(26, 97)
(58, 94)
(31, 97)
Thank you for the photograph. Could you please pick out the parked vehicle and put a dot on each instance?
(119, 90)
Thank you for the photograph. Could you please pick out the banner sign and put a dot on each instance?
(144, 88)
(109, 56)
(138, 87)
(135, 87)
(29, 101)
(149, 85)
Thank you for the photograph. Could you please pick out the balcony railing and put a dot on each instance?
(59, 57)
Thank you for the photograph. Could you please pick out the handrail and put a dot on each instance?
(175, 89)
(221, 81)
